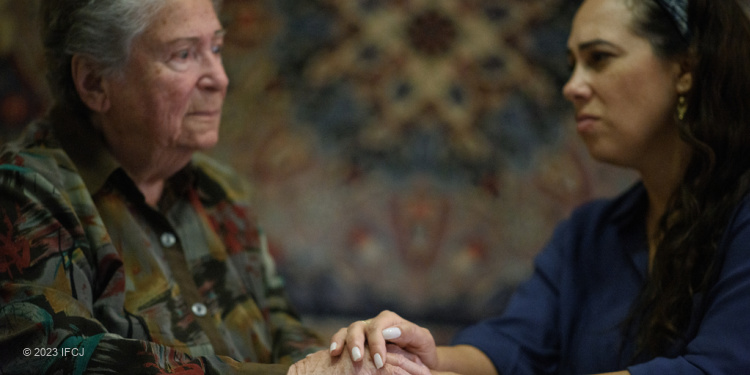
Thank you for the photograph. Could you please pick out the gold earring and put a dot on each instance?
(681, 107)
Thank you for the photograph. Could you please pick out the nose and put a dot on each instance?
(214, 77)
(577, 88)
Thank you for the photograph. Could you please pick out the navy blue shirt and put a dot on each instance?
(567, 318)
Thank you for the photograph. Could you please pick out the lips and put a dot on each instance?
(205, 113)
(585, 117)
(585, 122)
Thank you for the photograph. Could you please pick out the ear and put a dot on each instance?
(684, 83)
(89, 83)
(685, 77)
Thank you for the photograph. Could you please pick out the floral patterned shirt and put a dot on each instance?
(92, 279)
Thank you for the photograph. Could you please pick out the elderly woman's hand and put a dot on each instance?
(387, 326)
(399, 363)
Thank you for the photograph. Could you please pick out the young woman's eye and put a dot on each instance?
(598, 58)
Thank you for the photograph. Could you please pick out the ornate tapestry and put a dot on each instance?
(407, 154)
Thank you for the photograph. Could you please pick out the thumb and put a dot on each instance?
(414, 339)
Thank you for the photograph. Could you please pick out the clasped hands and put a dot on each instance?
(386, 344)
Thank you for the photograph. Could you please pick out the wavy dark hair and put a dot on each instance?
(717, 128)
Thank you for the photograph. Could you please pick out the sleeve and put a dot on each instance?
(292, 340)
(722, 342)
(525, 338)
(54, 285)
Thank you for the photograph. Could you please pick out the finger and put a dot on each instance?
(415, 339)
(411, 367)
(337, 342)
(355, 340)
(386, 322)
(370, 331)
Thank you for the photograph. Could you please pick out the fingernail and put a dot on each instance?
(378, 361)
(391, 333)
(356, 355)
(334, 346)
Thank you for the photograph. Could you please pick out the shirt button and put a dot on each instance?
(199, 309)
(168, 239)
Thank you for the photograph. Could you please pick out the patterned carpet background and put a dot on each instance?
(407, 154)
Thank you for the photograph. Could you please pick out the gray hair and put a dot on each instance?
(103, 30)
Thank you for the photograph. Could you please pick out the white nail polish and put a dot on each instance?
(391, 333)
(334, 346)
(378, 361)
(356, 355)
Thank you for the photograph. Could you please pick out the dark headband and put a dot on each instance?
(677, 9)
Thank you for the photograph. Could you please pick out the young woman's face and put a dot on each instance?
(623, 94)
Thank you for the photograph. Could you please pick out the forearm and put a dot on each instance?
(464, 359)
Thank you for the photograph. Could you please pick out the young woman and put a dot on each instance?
(657, 280)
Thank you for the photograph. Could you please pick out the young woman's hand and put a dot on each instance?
(386, 327)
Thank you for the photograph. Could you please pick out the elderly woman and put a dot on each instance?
(657, 280)
(122, 250)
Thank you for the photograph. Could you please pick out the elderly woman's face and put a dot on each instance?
(170, 97)
(624, 95)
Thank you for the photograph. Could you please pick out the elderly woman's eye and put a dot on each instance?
(216, 49)
(181, 59)
(183, 54)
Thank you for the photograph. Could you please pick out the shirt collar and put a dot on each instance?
(96, 169)
(85, 147)
(96, 164)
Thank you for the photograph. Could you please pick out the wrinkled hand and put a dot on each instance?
(387, 326)
(399, 362)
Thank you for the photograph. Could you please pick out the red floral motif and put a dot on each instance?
(14, 251)
(228, 227)
(170, 361)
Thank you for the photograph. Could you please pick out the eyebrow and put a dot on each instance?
(194, 39)
(220, 33)
(589, 45)
(594, 43)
